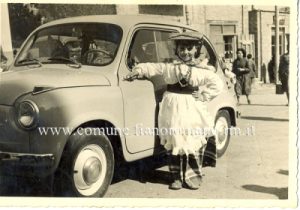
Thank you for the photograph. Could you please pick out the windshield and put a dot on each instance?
(92, 44)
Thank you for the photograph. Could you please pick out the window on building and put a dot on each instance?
(171, 10)
(228, 47)
(283, 41)
(224, 40)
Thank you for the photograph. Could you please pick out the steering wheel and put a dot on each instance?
(95, 56)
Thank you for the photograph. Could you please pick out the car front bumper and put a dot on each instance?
(25, 164)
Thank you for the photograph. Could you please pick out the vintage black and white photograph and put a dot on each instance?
(181, 103)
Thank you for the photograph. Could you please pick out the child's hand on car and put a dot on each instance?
(131, 76)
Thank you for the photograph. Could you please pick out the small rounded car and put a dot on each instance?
(65, 110)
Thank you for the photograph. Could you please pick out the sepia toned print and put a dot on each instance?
(184, 105)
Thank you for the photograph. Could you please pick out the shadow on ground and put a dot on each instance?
(264, 118)
(264, 104)
(283, 172)
(281, 193)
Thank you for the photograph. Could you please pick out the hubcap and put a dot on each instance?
(222, 132)
(90, 169)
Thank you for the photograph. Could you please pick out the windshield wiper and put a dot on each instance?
(78, 65)
(29, 61)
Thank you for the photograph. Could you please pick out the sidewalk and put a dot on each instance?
(258, 88)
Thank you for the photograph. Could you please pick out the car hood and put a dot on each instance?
(16, 83)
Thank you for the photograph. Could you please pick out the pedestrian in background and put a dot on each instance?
(191, 85)
(252, 67)
(243, 74)
(284, 65)
(271, 69)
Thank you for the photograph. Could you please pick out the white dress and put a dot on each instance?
(183, 120)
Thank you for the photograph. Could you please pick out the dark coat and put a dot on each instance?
(284, 66)
(243, 80)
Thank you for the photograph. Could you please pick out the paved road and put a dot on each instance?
(254, 167)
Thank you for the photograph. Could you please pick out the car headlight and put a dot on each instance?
(27, 114)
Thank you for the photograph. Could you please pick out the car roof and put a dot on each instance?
(121, 20)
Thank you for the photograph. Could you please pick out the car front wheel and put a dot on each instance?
(222, 125)
(87, 165)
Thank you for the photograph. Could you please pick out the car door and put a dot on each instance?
(141, 97)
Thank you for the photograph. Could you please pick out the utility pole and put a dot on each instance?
(187, 15)
(276, 44)
(242, 8)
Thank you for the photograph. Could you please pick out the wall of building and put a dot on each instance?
(169, 12)
(127, 9)
(254, 29)
(261, 23)
(225, 14)
(197, 16)
(219, 21)
(266, 44)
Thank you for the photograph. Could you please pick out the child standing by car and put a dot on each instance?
(183, 108)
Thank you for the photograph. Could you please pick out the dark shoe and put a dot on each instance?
(249, 102)
(176, 185)
(191, 186)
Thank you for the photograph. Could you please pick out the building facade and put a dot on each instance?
(228, 27)
(262, 25)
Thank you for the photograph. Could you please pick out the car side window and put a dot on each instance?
(207, 54)
(149, 45)
(165, 47)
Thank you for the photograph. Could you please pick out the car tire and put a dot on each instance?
(86, 168)
(222, 126)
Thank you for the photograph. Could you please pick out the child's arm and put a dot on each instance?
(212, 87)
(147, 70)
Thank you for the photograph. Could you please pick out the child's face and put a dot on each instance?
(186, 51)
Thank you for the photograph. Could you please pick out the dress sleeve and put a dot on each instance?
(149, 70)
(213, 86)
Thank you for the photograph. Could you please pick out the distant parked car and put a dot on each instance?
(66, 80)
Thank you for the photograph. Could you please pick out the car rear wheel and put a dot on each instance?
(222, 125)
(87, 165)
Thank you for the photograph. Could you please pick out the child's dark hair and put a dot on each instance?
(197, 44)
